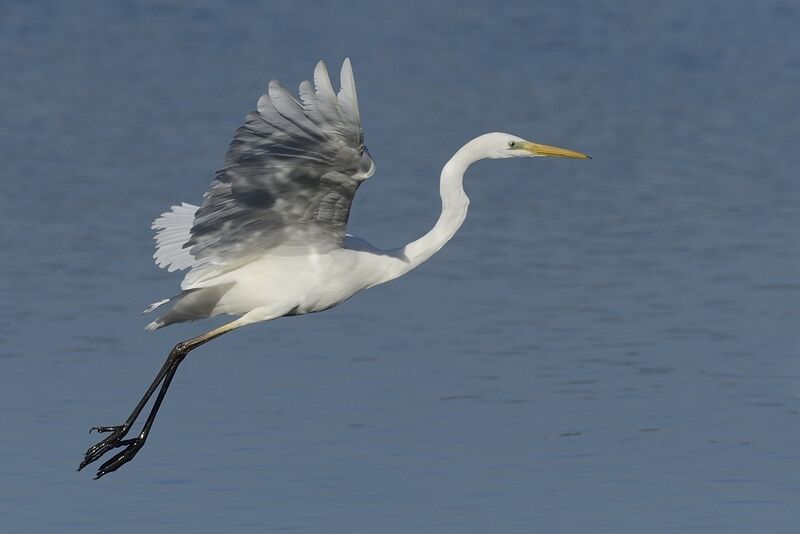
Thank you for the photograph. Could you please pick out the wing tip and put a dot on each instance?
(322, 80)
(347, 97)
(346, 77)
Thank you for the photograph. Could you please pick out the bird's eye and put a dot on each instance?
(512, 144)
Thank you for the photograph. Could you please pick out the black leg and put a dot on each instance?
(163, 378)
(118, 432)
(132, 446)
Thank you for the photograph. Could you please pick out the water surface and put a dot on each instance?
(606, 346)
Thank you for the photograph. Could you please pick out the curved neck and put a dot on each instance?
(454, 210)
(395, 263)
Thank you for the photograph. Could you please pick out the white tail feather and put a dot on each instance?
(155, 305)
(155, 325)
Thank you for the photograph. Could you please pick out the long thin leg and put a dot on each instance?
(163, 378)
(133, 445)
(120, 431)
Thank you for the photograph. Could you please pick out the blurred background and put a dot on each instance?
(606, 346)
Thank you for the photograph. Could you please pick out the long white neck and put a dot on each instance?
(454, 211)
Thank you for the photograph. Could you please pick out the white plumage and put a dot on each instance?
(173, 230)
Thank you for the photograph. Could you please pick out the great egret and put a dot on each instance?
(269, 239)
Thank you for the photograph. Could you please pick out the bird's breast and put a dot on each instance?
(299, 284)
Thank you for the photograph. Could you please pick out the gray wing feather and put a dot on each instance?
(290, 174)
(348, 101)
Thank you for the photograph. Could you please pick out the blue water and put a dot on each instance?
(606, 346)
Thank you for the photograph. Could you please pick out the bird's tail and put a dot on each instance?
(158, 323)
(189, 305)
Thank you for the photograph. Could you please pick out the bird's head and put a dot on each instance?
(503, 145)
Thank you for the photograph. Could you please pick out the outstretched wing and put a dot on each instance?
(290, 174)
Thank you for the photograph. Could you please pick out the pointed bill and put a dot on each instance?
(547, 150)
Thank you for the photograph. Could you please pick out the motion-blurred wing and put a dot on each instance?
(290, 174)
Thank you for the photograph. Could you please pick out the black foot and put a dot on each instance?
(132, 446)
(112, 441)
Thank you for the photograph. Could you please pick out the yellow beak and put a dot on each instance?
(547, 150)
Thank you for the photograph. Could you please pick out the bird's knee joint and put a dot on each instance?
(180, 348)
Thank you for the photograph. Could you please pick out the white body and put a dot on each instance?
(298, 280)
(283, 282)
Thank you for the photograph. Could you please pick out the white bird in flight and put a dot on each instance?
(269, 239)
